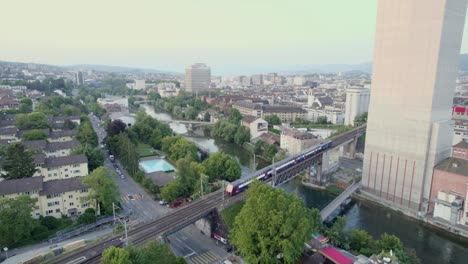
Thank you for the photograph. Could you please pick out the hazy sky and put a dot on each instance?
(168, 34)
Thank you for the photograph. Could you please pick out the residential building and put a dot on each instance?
(53, 198)
(295, 141)
(113, 100)
(460, 112)
(52, 168)
(247, 108)
(417, 47)
(256, 125)
(9, 133)
(197, 78)
(286, 113)
(333, 115)
(62, 135)
(460, 131)
(357, 103)
(139, 85)
(61, 149)
(449, 186)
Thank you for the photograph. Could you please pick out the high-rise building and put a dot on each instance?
(417, 46)
(79, 78)
(197, 78)
(257, 79)
(357, 103)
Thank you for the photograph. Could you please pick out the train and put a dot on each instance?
(241, 185)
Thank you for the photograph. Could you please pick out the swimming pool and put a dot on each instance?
(150, 166)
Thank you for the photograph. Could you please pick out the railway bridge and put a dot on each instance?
(186, 215)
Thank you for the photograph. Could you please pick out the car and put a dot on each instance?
(118, 171)
(176, 203)
(122, 176)
(162, 202)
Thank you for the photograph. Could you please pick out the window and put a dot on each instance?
(53, 195)
(57, 203)
(76, 171)
(84, 190)
(84, 205)
(57, 210)
(49, 211)
(76, 165)
(70, 196)
(71, 204)
(55, 174)
(66, 169)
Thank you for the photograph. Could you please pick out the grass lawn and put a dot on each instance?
(144, 150)
(230, 213)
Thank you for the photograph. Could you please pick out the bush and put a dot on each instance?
(139, 176)
(50, 222)
(88, 217)
(40, 232)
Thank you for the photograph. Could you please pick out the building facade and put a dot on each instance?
(417, 46)
(295, 141)
(257, 126)
(357, 103)
(286, 113)
(197, 78)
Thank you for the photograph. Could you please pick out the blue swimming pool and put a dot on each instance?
(150, 166)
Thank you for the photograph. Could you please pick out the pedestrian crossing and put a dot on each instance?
(131, 197)
(208, 257)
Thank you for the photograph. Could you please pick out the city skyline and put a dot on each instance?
(233, 38)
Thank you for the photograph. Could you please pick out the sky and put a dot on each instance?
(230, 35)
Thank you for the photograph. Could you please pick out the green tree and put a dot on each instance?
(337, 234)
(88, 217)
(18, 163)
(273, 120)
(94, 155)
(322, 120)
(207, 117)
(361, 241)
(15, 218)
(360, 120)
(177, 147)
(114, 255)
(25, 105)
(153, 252)
(34, 134)
(258, 147)
(50, 222)
(171, 191)
(68, 124)
(269, 151)
(389, 242)
(86, 134)
(115, 127)
(242, 135)
(273, 223)
(222, 166)
(234, 116)
(34, 120)
(104, 190)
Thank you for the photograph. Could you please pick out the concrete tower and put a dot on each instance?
(310, 97)
(357, 103)
(417, 46)
(197, 78)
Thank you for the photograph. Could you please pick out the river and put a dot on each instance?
(432, 246)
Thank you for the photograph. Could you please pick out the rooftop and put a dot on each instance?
(35, 144)
(283, 109)
(54, 146)
(454, 165)
(61, 186)
(462, 144)
(20, 185)
(67, 160)
(62, 133)
(249, 119)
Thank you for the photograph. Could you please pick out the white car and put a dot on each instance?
(162, 202)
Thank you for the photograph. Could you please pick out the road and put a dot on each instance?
(133, 196)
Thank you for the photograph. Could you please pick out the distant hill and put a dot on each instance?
(117, 69)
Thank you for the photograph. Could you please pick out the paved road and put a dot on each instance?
(133, 196)
(195, 247)
(353, 164)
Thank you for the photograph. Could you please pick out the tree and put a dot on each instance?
(115, 127)
(273, 120)
(361, 241)
(242, 135)
(258, 147)
(86, 134)
(18, 163)
(273, 224)
(222, 166)
(269, 151)
(104, 190)
(68, 124)
(177, 147)
(25, 105)
(152, 252)
(207, 117)
(35, 134)
(94, 155)
(88, 217)
(50, 222)
(322, 120)
(234, 116)
(114, 255)
(34, 120)
(337, 234)
(360, 120)
(389, 242)
(15, 219)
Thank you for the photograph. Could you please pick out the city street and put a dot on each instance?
(133, 196)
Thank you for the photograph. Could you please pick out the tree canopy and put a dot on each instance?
(273, 120)
(188, 172)
(273, 224)
(104, 190)
(18, 163)
(115, 127)
(149, 253)
(177, 147)
(222, 166)
(360, 120)
(34, 120)
(34, 134)
(15, 218)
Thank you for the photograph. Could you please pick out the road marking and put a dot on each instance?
(207, 257)
(193, 253)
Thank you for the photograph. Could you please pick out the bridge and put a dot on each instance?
(189, 122)
(186, 215)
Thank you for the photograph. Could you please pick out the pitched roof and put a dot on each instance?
(454, 165)
(283, 109)
(67, 160)
(248, 118)
(5, 123)
(35, 144)
(39, 159)
(54, 146)
(61, 185)
(62, 133)
(20, 185)
(462, 144)
(8, 131)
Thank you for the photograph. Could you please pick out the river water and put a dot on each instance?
(432, 246)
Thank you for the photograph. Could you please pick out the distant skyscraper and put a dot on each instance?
(357, 103)
(79, 78)
(257, 79)
(417, 46)
(197, 78)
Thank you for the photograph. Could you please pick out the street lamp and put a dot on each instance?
(6, 251)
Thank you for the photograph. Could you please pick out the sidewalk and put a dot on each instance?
(23, 254)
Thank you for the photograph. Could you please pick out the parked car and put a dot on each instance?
(162, 202)
(111, 157)
(176, 203)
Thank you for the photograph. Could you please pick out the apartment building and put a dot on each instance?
(257, 126)
(286, 113)
(55, 198)
(52, 168)
(295, 141)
